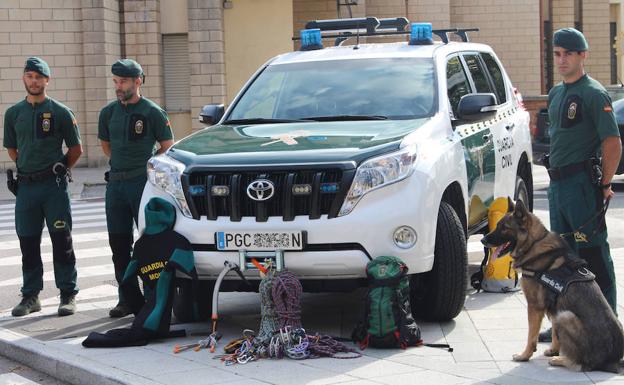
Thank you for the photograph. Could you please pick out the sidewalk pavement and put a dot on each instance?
(484, 336)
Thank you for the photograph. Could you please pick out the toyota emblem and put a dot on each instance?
(260, 190)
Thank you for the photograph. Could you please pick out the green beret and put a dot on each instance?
(38, 65)
(127, 68)
(570, 39)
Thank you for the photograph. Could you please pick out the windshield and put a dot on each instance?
(392, 88)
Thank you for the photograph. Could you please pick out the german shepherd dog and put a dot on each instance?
(586, 335)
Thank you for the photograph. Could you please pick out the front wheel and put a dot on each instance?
(439, 295)
(522, 193)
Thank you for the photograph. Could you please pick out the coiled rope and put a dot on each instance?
(286, 295)
(268, 322)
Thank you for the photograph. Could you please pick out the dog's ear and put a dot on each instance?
(520, 211)
(510, 205)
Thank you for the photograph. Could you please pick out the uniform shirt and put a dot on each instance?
(581, 117)
(38, 131)
(133, 131)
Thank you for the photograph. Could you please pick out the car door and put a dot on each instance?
(476, 138)
(507, 129)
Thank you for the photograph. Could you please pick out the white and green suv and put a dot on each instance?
(330, 157)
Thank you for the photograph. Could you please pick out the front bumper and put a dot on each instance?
(337, 248)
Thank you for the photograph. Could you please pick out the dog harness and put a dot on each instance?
(558, 280)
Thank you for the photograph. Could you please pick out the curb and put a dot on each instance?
(62, 365)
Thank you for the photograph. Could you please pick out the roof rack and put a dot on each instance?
(372, 26)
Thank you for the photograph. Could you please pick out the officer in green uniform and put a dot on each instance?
(128, 129)
(582, 128)
(34, 131)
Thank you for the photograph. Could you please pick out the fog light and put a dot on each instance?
(404, 237)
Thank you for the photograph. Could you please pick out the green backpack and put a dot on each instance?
(388, 321)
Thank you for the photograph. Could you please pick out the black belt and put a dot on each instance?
(35, 176)
(558, 173)
(125, 175)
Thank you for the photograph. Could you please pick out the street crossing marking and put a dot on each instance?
(88, 225)
(75, 219)
(8, 208)
(15, 379)
(46, 257)
(84, 272)
(91, 293)
(77, 238)
(75, 213)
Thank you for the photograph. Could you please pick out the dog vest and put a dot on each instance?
(558, 280)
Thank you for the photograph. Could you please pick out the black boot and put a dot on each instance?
(545, 336)
(120, 310)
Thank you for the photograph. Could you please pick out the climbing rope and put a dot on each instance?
(286, 294)
(326, 346)
(293, 343)
(269, 322)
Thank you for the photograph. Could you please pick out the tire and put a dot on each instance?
(522, 193)
(184, 299)
(439, 295)
(524, 185)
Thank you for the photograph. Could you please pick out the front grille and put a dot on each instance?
(321, 200)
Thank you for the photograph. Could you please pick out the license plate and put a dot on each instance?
(251, 240)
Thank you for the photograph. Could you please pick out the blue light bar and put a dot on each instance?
(310, 39)
(421, 34)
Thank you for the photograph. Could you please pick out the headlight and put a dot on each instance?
(379, 172)
(165, 173)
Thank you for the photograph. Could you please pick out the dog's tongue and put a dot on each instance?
(498, 250)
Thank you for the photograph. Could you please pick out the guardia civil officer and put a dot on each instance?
(128, 129)
(34, 132)
(582, 128)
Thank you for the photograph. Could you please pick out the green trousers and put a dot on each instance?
(122, 212)
(37, 202)
(572, 202)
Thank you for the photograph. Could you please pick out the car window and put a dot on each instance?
(478, 74)
(457, 82)
(497, 77)
(397, 88)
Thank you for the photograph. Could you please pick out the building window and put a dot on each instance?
(177, 73)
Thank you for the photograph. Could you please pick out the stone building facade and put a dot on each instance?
(197, 52)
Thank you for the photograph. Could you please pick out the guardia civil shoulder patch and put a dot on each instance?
(607, 108)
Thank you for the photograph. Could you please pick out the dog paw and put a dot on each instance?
(521, 357)
(556, 361)
(551, 352)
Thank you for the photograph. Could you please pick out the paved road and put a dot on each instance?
(95, 268)
(12, 373)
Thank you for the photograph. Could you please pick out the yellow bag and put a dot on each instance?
(496, 274)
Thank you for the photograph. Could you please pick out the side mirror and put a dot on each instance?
(211, 114)
(476, 106)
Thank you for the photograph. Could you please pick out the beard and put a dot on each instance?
(124, 96)
(34, 91)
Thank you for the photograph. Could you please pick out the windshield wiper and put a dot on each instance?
(263, 121)
(332, 118)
